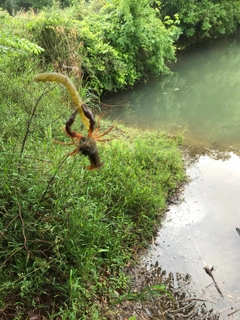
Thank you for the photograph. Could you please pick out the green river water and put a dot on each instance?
(201, 99)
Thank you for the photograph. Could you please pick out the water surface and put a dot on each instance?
(201, 231)
(201, 99)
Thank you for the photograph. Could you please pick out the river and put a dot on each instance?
(202, 101)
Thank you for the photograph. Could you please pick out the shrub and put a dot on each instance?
(205, 19)
(113, 47)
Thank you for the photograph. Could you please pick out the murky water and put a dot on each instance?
(201, 231)
(201, 99)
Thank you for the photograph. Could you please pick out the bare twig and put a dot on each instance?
(12, 254)
(185, 307)
(199, 299)
(23, 229)
(193, 303)
(53, 176)
(26, 275)
(229, 314)
(2, 232)
(30, 120)
(209, 272)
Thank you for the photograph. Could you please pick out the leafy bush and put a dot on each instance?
(13, 46)
(15, 6)
(201, 20)
(140, 40)
(113, 47)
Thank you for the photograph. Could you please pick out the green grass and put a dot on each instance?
(66, 233)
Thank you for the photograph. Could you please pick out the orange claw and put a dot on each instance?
(86, 145)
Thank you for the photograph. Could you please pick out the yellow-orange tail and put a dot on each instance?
(85, 113)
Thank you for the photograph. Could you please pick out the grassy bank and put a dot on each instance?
(67, 233)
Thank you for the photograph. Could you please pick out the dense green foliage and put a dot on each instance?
(13, 6)
(113, 47)
(12, 45)
(203, 19)
(109, 48)
(67, 232)
(198, 19)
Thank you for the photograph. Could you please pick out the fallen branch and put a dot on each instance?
(184, 307)
(199, 299)
(209, 272)
(230, 314)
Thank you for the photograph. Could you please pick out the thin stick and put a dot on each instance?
(26, 275)
(12, 254)
(23, 229)
(52, 178)
(199, 299)
(229, 314)
(30, 120)
(2, 232)
(191, 303)
(209, 272)
(185, 307)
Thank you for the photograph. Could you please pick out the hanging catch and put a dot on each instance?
(85, 145)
